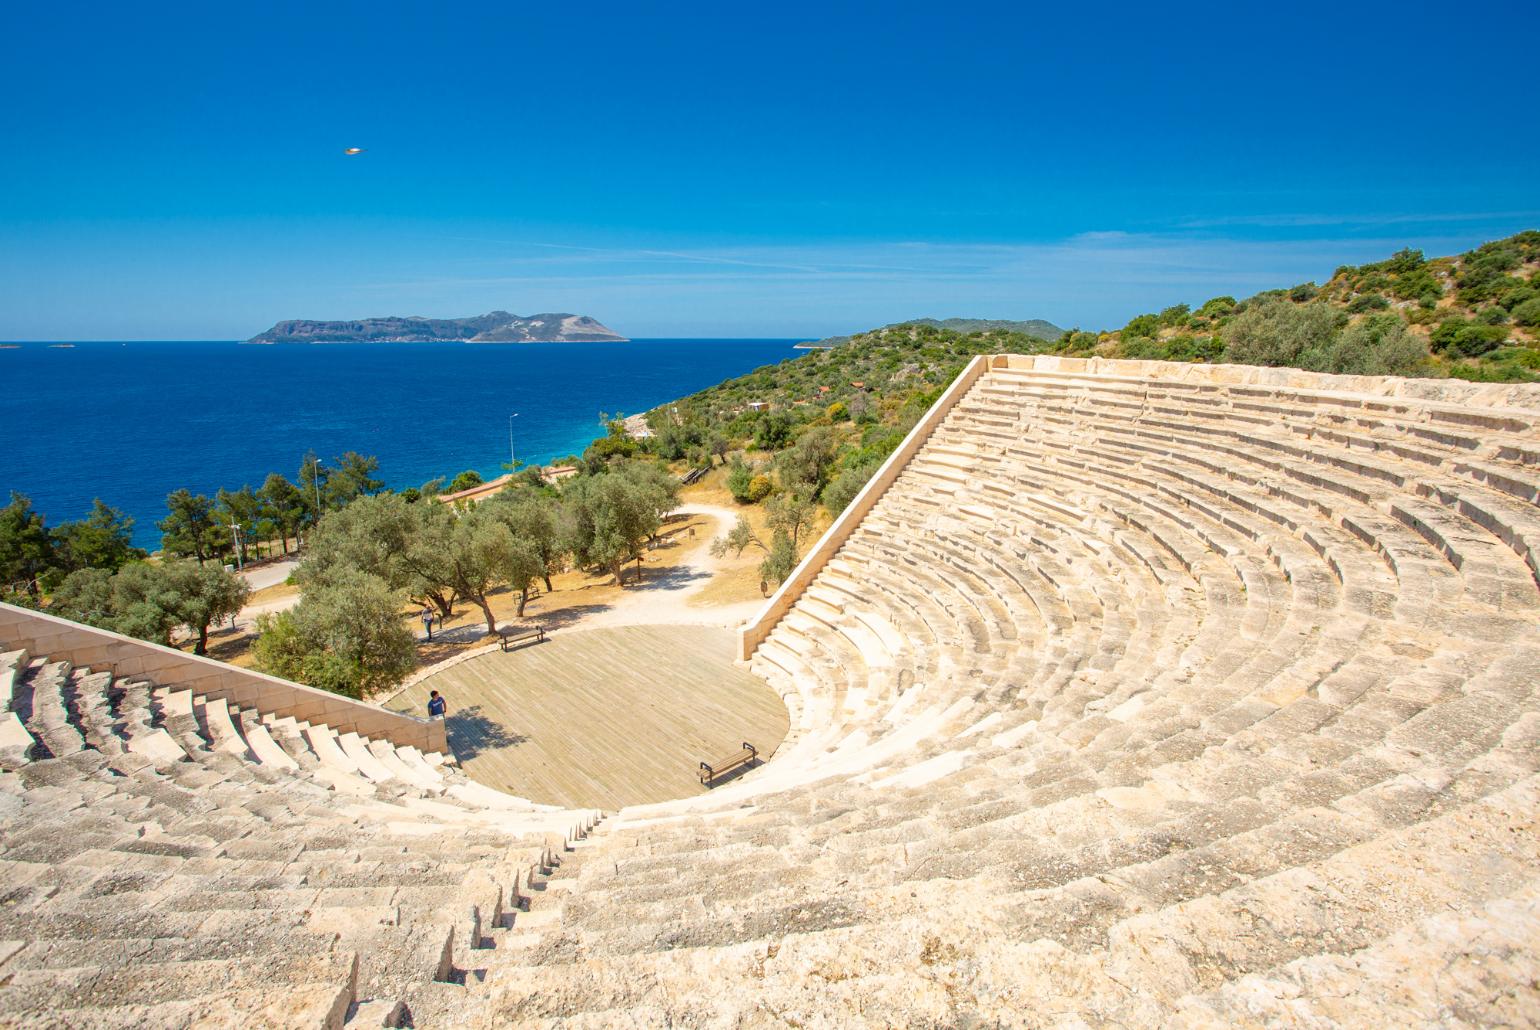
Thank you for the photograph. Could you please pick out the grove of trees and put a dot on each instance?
(150, 600)
(366, 561)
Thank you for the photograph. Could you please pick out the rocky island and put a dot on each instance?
(495, 327)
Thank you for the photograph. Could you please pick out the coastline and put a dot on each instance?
(424, 412)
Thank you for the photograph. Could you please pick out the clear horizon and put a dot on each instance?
(345, 343)
(718, 173)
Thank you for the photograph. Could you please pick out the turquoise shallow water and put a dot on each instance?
(130, 422)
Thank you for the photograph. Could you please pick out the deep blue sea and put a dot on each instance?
(131, 422)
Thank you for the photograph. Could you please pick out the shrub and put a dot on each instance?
(1496, 370)
(838, 412)
(1415, 284)
(758, 489)
(739, 477)
(1217, 307)
(465, 480)
(1074, 341)
(1528, 313)
(1176, 316)
(1368, 302)
(1379, 345)
(1461, 339)
(1139, 348)
(1403, 261)
(773, 431)
(1194, 348)
(1141, 325)
(1304, 292)
(844, 487)
(1276, 332)
(1522, 295)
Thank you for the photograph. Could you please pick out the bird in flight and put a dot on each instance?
(351, 151)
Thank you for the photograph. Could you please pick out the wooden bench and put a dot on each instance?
(710, 771)
(522, 635)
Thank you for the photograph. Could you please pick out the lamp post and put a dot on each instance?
(235, 538)
(511, 462)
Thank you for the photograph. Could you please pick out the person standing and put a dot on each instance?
(436, 705)
(427, 621)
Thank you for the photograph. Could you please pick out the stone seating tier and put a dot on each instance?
(1131, 694)
(171, 857)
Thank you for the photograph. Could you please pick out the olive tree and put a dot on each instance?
(151, 601)
(609, 517)
(531, 516)
(346, 636)
(1274, 331)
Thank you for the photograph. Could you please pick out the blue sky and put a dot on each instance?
(724, 169)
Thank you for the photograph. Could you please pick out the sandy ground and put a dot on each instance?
(669, 598)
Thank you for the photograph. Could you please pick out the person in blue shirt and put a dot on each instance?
(436, 706)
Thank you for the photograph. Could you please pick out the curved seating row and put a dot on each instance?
(1134, 700)
(171, 859)
(1145, 695)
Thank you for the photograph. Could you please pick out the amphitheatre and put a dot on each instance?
(1126, 694)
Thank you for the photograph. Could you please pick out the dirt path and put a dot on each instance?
(271, 574)
(666, 597)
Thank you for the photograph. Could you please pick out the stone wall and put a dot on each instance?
(1453, 392)
(85, 647)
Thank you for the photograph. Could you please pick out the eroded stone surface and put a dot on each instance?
(1147, 695)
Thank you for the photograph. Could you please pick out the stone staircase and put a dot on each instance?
(1144, 696)
(170, 859)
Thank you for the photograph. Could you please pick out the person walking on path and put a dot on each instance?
(427, 621)
(436, 706)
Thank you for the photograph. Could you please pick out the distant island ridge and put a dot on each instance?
(493, 327)
(1032, 327)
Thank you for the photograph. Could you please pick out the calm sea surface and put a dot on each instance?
(130, 422)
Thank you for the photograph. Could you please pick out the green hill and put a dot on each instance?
(818, 425)
(1032, 327)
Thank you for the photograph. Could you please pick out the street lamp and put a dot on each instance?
(511, 462)
(235, 538)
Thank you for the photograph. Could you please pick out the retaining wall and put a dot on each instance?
(754, 632)
(86, 647)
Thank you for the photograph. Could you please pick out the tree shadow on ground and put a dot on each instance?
(674, 578)
(561, 618)
(471, 733)
(466, 633)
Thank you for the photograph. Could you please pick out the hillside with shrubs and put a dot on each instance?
(810, 431)
(1473, 316)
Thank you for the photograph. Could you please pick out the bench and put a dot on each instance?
(522, 635)
(746, 757)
